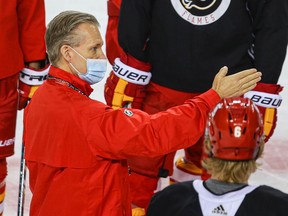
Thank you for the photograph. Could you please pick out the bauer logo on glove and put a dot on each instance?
(130, 74)
(264, 99)
(126, 85)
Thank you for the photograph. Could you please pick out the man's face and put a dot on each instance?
(90, 46)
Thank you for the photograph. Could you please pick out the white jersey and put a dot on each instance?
(215, 205)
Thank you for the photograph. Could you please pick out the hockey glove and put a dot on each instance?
(29, 80)
(126, 85)
(267, 98)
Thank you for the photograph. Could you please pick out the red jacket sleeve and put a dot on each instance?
(132, 132)
(31, 22)
(22, 34)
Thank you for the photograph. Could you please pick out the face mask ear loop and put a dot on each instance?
(78, 53)
(77, 71)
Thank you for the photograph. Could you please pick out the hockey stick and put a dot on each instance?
(22, 180)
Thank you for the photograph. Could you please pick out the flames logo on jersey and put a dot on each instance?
(199, 5)
(200, 12)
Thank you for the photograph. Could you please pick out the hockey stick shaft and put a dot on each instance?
(22, 180)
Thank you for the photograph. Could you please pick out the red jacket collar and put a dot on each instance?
(74, 80)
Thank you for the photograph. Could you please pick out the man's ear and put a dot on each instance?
(65, 51)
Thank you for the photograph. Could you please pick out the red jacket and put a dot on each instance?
(22, 34)
(76, 147)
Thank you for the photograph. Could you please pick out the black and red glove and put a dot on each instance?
(126, 84)
(29, 80)
(267, 98)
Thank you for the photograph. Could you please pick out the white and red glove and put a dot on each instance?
(29, 80)
(126, 84)
(267, 98)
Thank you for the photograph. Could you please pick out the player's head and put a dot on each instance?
(235, 130)
(235, 140)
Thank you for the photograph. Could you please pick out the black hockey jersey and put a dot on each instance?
(192, 198)
(188, 41)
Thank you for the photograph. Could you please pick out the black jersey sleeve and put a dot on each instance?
(270, 27)
(264, 201)
(134, 27)
(177, 199)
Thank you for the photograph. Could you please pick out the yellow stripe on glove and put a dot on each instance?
(269, 120)
(119, 96)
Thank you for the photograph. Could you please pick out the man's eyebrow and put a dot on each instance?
(97, 43)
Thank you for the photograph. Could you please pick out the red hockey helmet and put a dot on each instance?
(235, 129)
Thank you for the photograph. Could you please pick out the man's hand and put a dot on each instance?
(236, 84)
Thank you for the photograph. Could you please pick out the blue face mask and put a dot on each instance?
(96, 69)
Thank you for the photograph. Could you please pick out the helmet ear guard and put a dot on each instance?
(235, 129)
